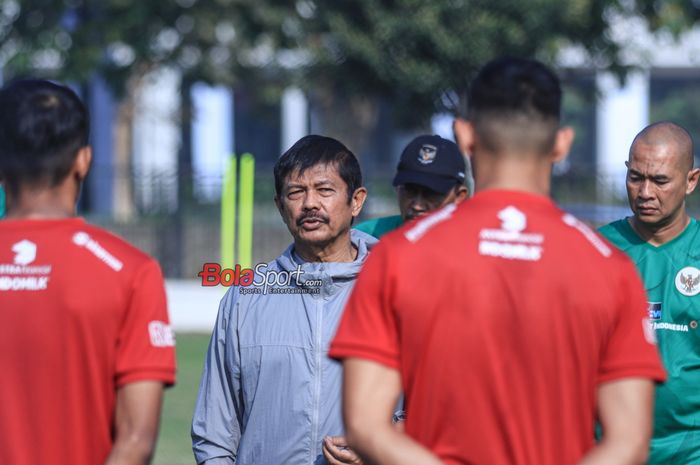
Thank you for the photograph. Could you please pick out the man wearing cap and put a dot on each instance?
(430, 175)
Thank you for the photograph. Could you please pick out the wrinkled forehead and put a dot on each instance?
(657, 159)
(320, 173)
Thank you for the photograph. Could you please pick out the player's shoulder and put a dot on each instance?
(414, 231)
(592, 239)
(109, 247)
(615, 231)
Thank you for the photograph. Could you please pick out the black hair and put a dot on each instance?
(42, 127)
(313, 150)
(509, 89)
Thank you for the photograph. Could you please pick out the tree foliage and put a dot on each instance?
(418, 54)
(423, 54)
(74, 39)
(674, 16)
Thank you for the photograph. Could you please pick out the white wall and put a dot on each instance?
(193, 308)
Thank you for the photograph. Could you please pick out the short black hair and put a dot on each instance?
(42, 127)
(509, 94)
(313, 150)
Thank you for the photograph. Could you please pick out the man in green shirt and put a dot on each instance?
(664, 242)
(430, 175)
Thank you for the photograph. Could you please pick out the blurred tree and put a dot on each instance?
(423, 54)
(674, 16)
(119, 39)
(419, 55)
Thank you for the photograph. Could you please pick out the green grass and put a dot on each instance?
(174, 446)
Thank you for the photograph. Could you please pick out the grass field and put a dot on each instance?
(174, 441)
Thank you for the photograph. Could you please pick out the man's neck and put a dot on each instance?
(663, 234)
(527, 174)
(40, 204)
(341, 250)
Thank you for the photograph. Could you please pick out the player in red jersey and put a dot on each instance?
(509, 324)
(85, 342)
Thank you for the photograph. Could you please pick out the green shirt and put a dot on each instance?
(671, 275)
(377, 227)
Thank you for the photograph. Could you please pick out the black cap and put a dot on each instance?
(432, 162)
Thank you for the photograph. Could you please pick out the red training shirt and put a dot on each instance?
(503, 315)
(81, 314)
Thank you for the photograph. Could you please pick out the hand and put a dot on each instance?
(336, 451)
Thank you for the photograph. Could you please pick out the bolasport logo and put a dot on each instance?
(259, 280)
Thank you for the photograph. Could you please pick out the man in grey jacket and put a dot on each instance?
(269, 394)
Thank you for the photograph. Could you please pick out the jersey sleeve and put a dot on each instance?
(631, 349)
(368, 328)
(146, 343)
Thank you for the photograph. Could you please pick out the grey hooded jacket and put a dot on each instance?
(269, 393)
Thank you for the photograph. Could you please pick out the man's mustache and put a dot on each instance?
(312, 216)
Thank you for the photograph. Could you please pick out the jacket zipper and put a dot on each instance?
(317, 380)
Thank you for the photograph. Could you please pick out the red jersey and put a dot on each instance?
(503, 315)
(81, 313)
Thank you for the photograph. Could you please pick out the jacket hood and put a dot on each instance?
(336, 271)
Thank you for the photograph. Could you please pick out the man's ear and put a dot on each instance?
(358, 200)
(81, 165)
(461, 194)
(464, 135)
(692, 182)
(562, 143)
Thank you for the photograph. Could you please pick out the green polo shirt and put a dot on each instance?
(671, 275)
(377, 227)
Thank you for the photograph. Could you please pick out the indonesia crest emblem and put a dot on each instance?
(688, 281)
(426, 154)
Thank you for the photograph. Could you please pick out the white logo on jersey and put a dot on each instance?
(83, 239)
(512, 219)
(21, 277)
(24, 283)
(688, 281)
(510, 242)
(26, 252)
(161, 334)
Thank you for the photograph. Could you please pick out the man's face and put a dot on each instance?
(416, 200)
(315, 206)
(657, 183)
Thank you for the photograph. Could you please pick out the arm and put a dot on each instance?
(136, 423)
(216, 428)
(370, 393)
(625, 410)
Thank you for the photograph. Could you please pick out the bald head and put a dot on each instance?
(660, 175)
(670, 138)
